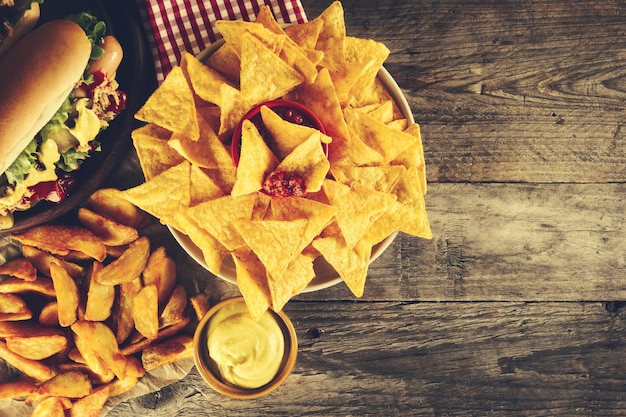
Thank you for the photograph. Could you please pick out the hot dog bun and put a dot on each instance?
(26, 23)
(36, 76)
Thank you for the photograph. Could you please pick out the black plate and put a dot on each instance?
(135, 76)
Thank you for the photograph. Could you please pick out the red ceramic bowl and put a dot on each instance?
(286, 109)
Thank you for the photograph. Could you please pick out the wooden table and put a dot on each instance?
(514, 307)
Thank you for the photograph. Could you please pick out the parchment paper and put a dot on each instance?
(152, 381)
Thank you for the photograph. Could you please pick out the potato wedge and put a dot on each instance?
(200, 304)
(67, 295)
(128, 266)
(71, 384)
(38, 347)
(163, 334)
(41, 261)
(13, 308)
(49, 407)
(89, 356)
(26, 329)
(37, 370)
(146, 311)
(174, 310)
(75, 355)
(19, 268)
(49, 314)
(41, 285)
(167, 351)
(124, 323)
(111, 233)
(108, 202)
(100, 298)
(120, 386)
(16, 389)
(134, 367)
(61, 240)
(160, 270)
(96, 379)
(99, 338)
(91, 405)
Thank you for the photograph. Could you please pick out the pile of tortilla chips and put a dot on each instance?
(371, 184)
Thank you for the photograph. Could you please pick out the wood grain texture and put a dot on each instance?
(514, 307)
(528, 242)
(507, 90)
(432, 359)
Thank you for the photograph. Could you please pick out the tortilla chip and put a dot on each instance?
(410, 196)
(364, 58)
(275, 242)
(331, 39)
(237, 33)
(217, 217)
(308, 161)
(172, 106)
(298, 275)
(383, 112)
(321, 98)
(150, 196)
(318, 214)
(381, 178)
(155, 156)
(204, 80)
(255, 163)
(206, 152)
(264, 76)
(305, 34)
(202, 187)
(350, 263)
(291, 52)
(359, 207)
(234, 107)
(252, 282)
(286, 136)
(212, 250)
(376, 135)
(398, 124)
(226, 61)
(413, 156)
(223, 178)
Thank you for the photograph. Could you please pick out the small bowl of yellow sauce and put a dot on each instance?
(241, 357)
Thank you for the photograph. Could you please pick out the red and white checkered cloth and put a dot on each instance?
(176, 26)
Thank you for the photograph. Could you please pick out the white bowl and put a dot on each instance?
(325, 275)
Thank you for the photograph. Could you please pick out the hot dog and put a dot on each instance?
(56, 99)
(17, 18)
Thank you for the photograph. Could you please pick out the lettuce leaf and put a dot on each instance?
(94, 29)
(20, 167)
(58, 120)
(71, 159)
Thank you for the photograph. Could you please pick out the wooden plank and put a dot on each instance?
(491, 242)
(513, 91)
(530, 242)
(433, 359)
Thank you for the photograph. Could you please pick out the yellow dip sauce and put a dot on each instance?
(248, 353)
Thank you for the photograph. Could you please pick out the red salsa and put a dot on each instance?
(279, 183)
(284, 184)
